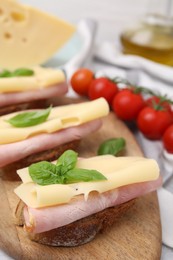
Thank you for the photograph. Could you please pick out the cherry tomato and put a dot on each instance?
(152, 123)
(127, 104)
(81, 80)
(102, 87)
(168, 139)
(155, 100)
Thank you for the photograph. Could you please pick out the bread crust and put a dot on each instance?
(81, 231)
(23, 106)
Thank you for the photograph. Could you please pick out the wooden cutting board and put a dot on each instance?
(136, 235)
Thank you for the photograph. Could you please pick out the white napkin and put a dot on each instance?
(110, 53)
(157, 77)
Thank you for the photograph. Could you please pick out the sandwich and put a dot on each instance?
(33, 135)
(29, 38)
(69, 201)
(23, 89)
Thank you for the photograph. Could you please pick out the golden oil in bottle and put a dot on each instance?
(153, 42)
(153, 37)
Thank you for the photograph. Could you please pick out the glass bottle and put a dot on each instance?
(152, 38)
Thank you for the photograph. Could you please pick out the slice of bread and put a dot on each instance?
(79, 232)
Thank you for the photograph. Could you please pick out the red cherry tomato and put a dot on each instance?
(152, 123)
(127, 104)
(168, 139)
(102, 87)
(155, 100)
(81, 80)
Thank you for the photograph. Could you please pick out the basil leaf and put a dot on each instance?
(30, 118)
(112, 146)
(5, 74)
(83, 175)
(22, 72)
(16, 73)
(45, 173)
(67, 161)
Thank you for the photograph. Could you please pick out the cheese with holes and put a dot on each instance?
(119, 171)
(42, 78)
(60, 117)
(28, 36)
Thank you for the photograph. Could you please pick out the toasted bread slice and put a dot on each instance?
(79, 232)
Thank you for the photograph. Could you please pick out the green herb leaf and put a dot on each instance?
(67, 161)
(83, 175)
(30, 118)
(16, 73)
(112, 146)
(45, 173)
(22, 72)
(5, 74)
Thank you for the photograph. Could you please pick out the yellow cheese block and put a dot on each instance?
(119, 171)
(28, 36)
(42, 78)
(60, 117)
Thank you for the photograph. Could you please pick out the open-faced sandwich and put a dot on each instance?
(30, 88)
(69, 201)
(29, 38)
(30, 136)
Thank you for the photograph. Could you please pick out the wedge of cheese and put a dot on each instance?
(60, 117)
(28, 36)
(120, 171)
(42, 78)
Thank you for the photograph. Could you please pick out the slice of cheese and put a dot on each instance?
(120, 171)
(98, 163)
(59, 118)
(42, 78)
(28, 36)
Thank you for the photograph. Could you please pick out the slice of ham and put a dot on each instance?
(45, 219)
(10, 153)
(7, 99)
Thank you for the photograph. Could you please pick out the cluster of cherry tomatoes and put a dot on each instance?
(152, 114)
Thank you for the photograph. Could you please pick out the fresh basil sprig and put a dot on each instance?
(112, 146)
(64, 172)
(30, 118)
(22, 72)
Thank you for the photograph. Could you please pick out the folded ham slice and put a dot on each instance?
(10, 153)
(48, 218)
(7, 99)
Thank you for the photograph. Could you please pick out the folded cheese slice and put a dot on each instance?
(120, 171)
(28, 36)
(42, 78)
(60, 117)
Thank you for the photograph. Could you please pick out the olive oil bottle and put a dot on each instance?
(153, 37)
